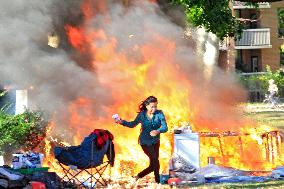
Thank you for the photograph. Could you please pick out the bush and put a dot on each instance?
(23, 131)
(260, 82)
(277, 76)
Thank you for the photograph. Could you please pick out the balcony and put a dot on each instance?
(254, 39)
(243, 5)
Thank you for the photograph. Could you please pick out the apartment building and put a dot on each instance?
(262, 41)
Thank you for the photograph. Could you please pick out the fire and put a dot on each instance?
(251, 149)
(144, 69)
(77, 39)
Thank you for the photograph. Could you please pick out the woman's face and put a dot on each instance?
(152, 107)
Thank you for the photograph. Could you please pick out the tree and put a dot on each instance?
(23, 131)
(213, 15)
(262, 81)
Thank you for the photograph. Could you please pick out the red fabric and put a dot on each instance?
(38, 185)
(102, 137)
(174, 181)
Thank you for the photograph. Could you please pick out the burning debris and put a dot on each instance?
(187, 169)
(127, 168)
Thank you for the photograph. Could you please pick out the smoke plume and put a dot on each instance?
(114, 33)
(52, 76)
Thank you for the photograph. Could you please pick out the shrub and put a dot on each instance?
(277, 76)
(260, 82)
(23, 131)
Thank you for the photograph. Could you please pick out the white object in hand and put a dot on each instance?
(115, 117)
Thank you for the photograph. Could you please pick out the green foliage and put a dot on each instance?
(281, 49)
(252, 4)
(280, 12)
(23, 131)
(3, 93)
(214, 15)
(261, 81)
(277, 76)
(244, 185)
(252, 82)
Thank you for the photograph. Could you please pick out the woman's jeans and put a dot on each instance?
(152, 151)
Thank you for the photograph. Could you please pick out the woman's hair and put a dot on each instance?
(146, 102)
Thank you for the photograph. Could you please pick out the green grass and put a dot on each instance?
(270, 184)
(268, 117)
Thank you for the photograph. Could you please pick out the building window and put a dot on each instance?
(280, 12)
(239, 60)
(282, 55)
(254, 64)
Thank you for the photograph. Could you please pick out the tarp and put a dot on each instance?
(234, 179)
(278, 172)
(81, 156)
(220, 174)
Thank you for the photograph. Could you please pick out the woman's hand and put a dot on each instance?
(119, 121)
(154, 133)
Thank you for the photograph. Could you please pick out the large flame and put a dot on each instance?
(155, 71)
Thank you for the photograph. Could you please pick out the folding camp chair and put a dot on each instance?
(92, 174)
(88, 178)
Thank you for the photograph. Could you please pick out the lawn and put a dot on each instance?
(264, 114)
(270, 185)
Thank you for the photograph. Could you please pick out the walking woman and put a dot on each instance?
(153, 123)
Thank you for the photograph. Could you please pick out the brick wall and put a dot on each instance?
(269, 19)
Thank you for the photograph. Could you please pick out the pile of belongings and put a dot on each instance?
(180, 165)
(27, 160)
(221, 174)
(183, 129)
(278, 173)
(26, 172)
(10, 178)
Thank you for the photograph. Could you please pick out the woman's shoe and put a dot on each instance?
(133, 183)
